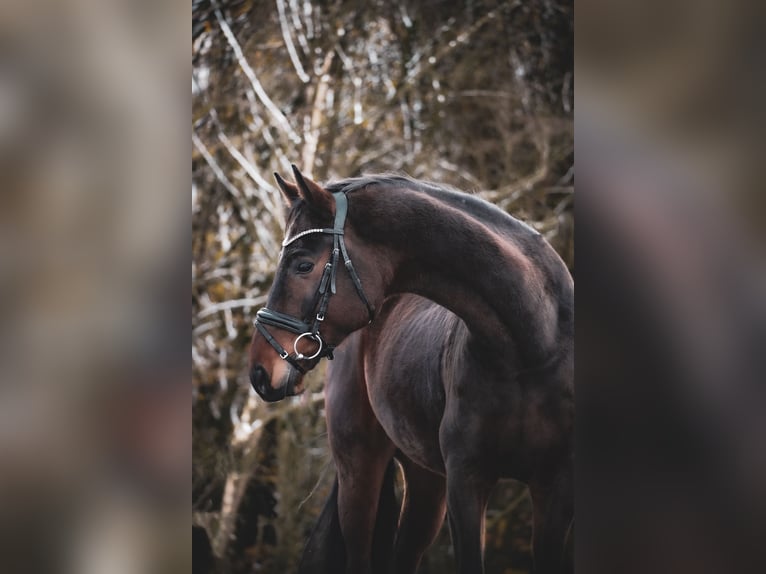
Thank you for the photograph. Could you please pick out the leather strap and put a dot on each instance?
(279, 348)
(281, 321)
(355, 279)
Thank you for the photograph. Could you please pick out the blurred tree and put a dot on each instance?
(476, 94)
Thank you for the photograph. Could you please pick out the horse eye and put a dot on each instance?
(305, 267)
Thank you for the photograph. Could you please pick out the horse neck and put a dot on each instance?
(498, 278)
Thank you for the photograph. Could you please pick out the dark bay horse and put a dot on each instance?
(474, 389)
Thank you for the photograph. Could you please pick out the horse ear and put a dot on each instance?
(289, 190)
(314, 194)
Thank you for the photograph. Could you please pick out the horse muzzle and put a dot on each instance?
(261, 382)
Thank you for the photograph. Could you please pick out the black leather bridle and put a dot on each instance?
(325, 290)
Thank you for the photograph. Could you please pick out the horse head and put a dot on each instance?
(317, 297)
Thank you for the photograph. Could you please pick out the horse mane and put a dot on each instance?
(466, 201)
(350, 184)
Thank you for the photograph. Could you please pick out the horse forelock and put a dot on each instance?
(295, 209)
(293, 225)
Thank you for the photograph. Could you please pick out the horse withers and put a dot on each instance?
(474, 385)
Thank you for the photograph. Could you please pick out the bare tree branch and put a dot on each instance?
(232, 304)
(281, 120)
(304, 77)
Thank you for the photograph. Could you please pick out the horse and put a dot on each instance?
(466, 384)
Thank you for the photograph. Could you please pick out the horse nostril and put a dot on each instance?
(259, 378)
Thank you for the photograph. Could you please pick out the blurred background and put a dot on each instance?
(478, 95)
(95, 446)
(671, 290)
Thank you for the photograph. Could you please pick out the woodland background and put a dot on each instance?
(475, 94)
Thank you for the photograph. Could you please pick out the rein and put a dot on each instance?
(325, 290)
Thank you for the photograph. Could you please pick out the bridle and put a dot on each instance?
(325, 290)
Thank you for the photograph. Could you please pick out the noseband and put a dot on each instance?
(325, 290)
